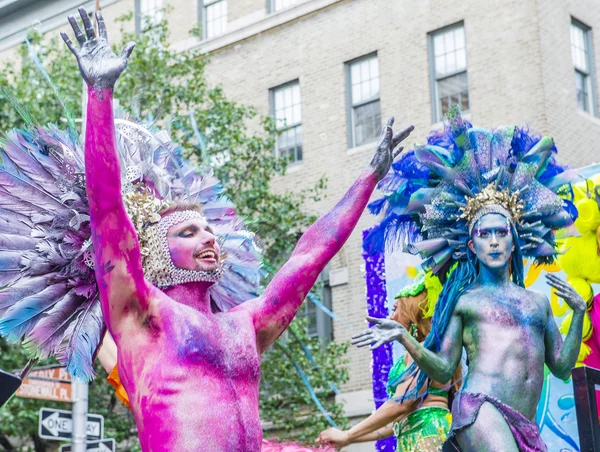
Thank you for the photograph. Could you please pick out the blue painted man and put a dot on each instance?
(484, 199)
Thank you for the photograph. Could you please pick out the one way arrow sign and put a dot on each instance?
(58, 424)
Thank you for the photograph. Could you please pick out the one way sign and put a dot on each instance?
(105, 445)
(58, 424)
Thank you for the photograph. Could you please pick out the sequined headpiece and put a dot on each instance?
(436, 193)
(491, 200)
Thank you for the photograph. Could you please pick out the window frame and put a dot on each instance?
(272, 112)
(139, 15)
(271, 6)
(436, 113)
(349, 104)
(323, 323)
(202, 5)
(591, 75)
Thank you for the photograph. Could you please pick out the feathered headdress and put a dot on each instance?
(48, 291)
(436, 193)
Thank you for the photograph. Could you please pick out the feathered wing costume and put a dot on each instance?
(435, 194)
(49, 295)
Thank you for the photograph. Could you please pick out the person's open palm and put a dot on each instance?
(384, 330)
(100, 67)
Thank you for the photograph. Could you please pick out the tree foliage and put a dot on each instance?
(170, 88)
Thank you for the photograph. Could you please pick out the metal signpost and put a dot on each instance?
(58, 425)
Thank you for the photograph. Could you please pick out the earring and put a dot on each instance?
(412, 330)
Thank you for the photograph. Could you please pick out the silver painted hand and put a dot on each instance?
(385, 330)
(99, 65)
(384, 154)
(567, 293)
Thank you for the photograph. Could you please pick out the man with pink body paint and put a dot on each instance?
(192, 375)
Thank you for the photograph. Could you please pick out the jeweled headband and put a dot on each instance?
(491, 200)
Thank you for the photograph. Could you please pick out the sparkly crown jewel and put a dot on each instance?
(492, 200)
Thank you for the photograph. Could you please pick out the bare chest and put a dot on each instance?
(220, 345)
(504, 312)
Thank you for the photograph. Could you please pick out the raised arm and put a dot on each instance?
(562, 356)
(438, 366)
(275, 309)
(118, 264)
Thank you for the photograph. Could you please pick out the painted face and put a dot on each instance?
(398, 315)
(193, 246)
(492, 241)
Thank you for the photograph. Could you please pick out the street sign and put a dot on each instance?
(58, 424)
(47, 383)
(32, 388)
(104, 445)
(50, 373)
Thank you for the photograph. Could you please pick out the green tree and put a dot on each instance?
(171, 89)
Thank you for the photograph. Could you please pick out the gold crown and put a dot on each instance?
(481, 204)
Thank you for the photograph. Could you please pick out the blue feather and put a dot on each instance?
(85, 336)
(47, 335)
(20, 318)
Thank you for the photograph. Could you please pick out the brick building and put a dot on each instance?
(331, 71)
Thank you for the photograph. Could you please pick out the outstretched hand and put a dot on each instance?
(385, 330)
(566, 292)
(388, 141)
(333, 436)
(99, 65)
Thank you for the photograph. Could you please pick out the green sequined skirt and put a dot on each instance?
(423, 430)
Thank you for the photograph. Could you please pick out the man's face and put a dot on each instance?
(193, 246)
(492, 241)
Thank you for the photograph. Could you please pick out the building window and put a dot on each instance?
(583, 65)
(364, 112)
(214, 13)
(278, 5)
(287, 111)
(448, 53)
(319, 324)
(150, 13)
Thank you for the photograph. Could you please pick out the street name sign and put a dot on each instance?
(58, 391)
(47, 383)
(104, 445)
(50, 373)
(58, 425)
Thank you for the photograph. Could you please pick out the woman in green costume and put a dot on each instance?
(420, 425)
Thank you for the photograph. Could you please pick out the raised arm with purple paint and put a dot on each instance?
(192, 375)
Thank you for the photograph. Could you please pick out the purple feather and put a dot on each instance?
(23, 288)
(19, 188)
(85, 336)
(20, 318)
(16, 242)
(48, 333)
(28, 165)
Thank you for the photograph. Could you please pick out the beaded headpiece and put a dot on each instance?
(144, 210)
